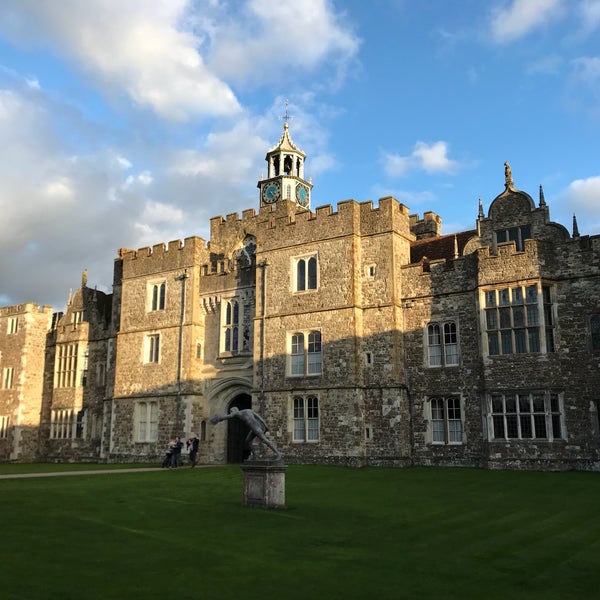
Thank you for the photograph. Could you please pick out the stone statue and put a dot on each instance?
(257, 426)
(508, 180)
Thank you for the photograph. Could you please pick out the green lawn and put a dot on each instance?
(347, 533)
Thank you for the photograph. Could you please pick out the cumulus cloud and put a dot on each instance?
(584, 194)
(582, 199)
(431, 158)
(176, 56)
(521, 17)
(141, 49)
(83, 178)
(267, 37)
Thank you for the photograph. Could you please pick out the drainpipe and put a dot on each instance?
(409, 398)
(263, 298)
(185, 275)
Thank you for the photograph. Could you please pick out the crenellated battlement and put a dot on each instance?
(283, 221)
(158, 250)
(429, 226)
(164, 257)
(25, 307)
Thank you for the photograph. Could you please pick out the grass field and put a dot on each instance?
(346, 533)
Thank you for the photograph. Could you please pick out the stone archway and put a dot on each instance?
(237, 431)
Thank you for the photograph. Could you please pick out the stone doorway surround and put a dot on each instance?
(237, 431)
(226, 439)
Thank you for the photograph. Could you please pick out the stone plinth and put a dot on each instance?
(264, 484)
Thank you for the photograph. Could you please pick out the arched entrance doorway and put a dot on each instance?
(237, 431)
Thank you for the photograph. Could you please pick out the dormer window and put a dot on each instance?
(518, 235)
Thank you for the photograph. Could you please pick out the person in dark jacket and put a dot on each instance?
(192, 444)
(176, 452)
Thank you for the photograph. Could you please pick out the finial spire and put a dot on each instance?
(508, 180)
(575, 228)
(480, 214)
(455, 246)
(542, 199)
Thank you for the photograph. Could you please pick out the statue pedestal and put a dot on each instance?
(264, 484)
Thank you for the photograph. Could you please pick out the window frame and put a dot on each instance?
(145, 421)
(237, 325)
(100, 374)
(12, 325)
(66, 365)
(4, 426)
(518, 319)
(517, 234)
(8, 378)
(506, 412)
(305, 419)
(152, 348)
(156, 295)
(305, 274)
(78, 316)
(443, 332)
(443, 420)
(62, 424)
(303, 358)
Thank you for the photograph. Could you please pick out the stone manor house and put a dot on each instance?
(360, 333)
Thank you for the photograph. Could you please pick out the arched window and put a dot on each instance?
(306, 274)
(158, 294)
(232, 315)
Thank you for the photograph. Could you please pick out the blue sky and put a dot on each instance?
(129, 123)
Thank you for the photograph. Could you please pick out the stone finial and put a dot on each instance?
(542, 199)
(455, 246)
(480, 214)
(84, 278)
(508, 180)
(575, 228)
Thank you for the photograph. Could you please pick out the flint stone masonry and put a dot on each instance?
(385, 280)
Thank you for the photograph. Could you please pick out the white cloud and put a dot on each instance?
(582, 199)
(266, 38)
(585, 194)
(136, 46)
(431, 158)
(521, 17)
(176, 56)
(590, 14)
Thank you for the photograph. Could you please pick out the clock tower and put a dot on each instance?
(285, 174)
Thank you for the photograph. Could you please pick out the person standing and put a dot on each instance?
(193, 444)
(176, 456)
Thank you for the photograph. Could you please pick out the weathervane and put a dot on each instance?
(287, 117)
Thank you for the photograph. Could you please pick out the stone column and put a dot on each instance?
(264, 484)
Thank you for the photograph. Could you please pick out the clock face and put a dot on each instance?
(271, 193)
(302, 195)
